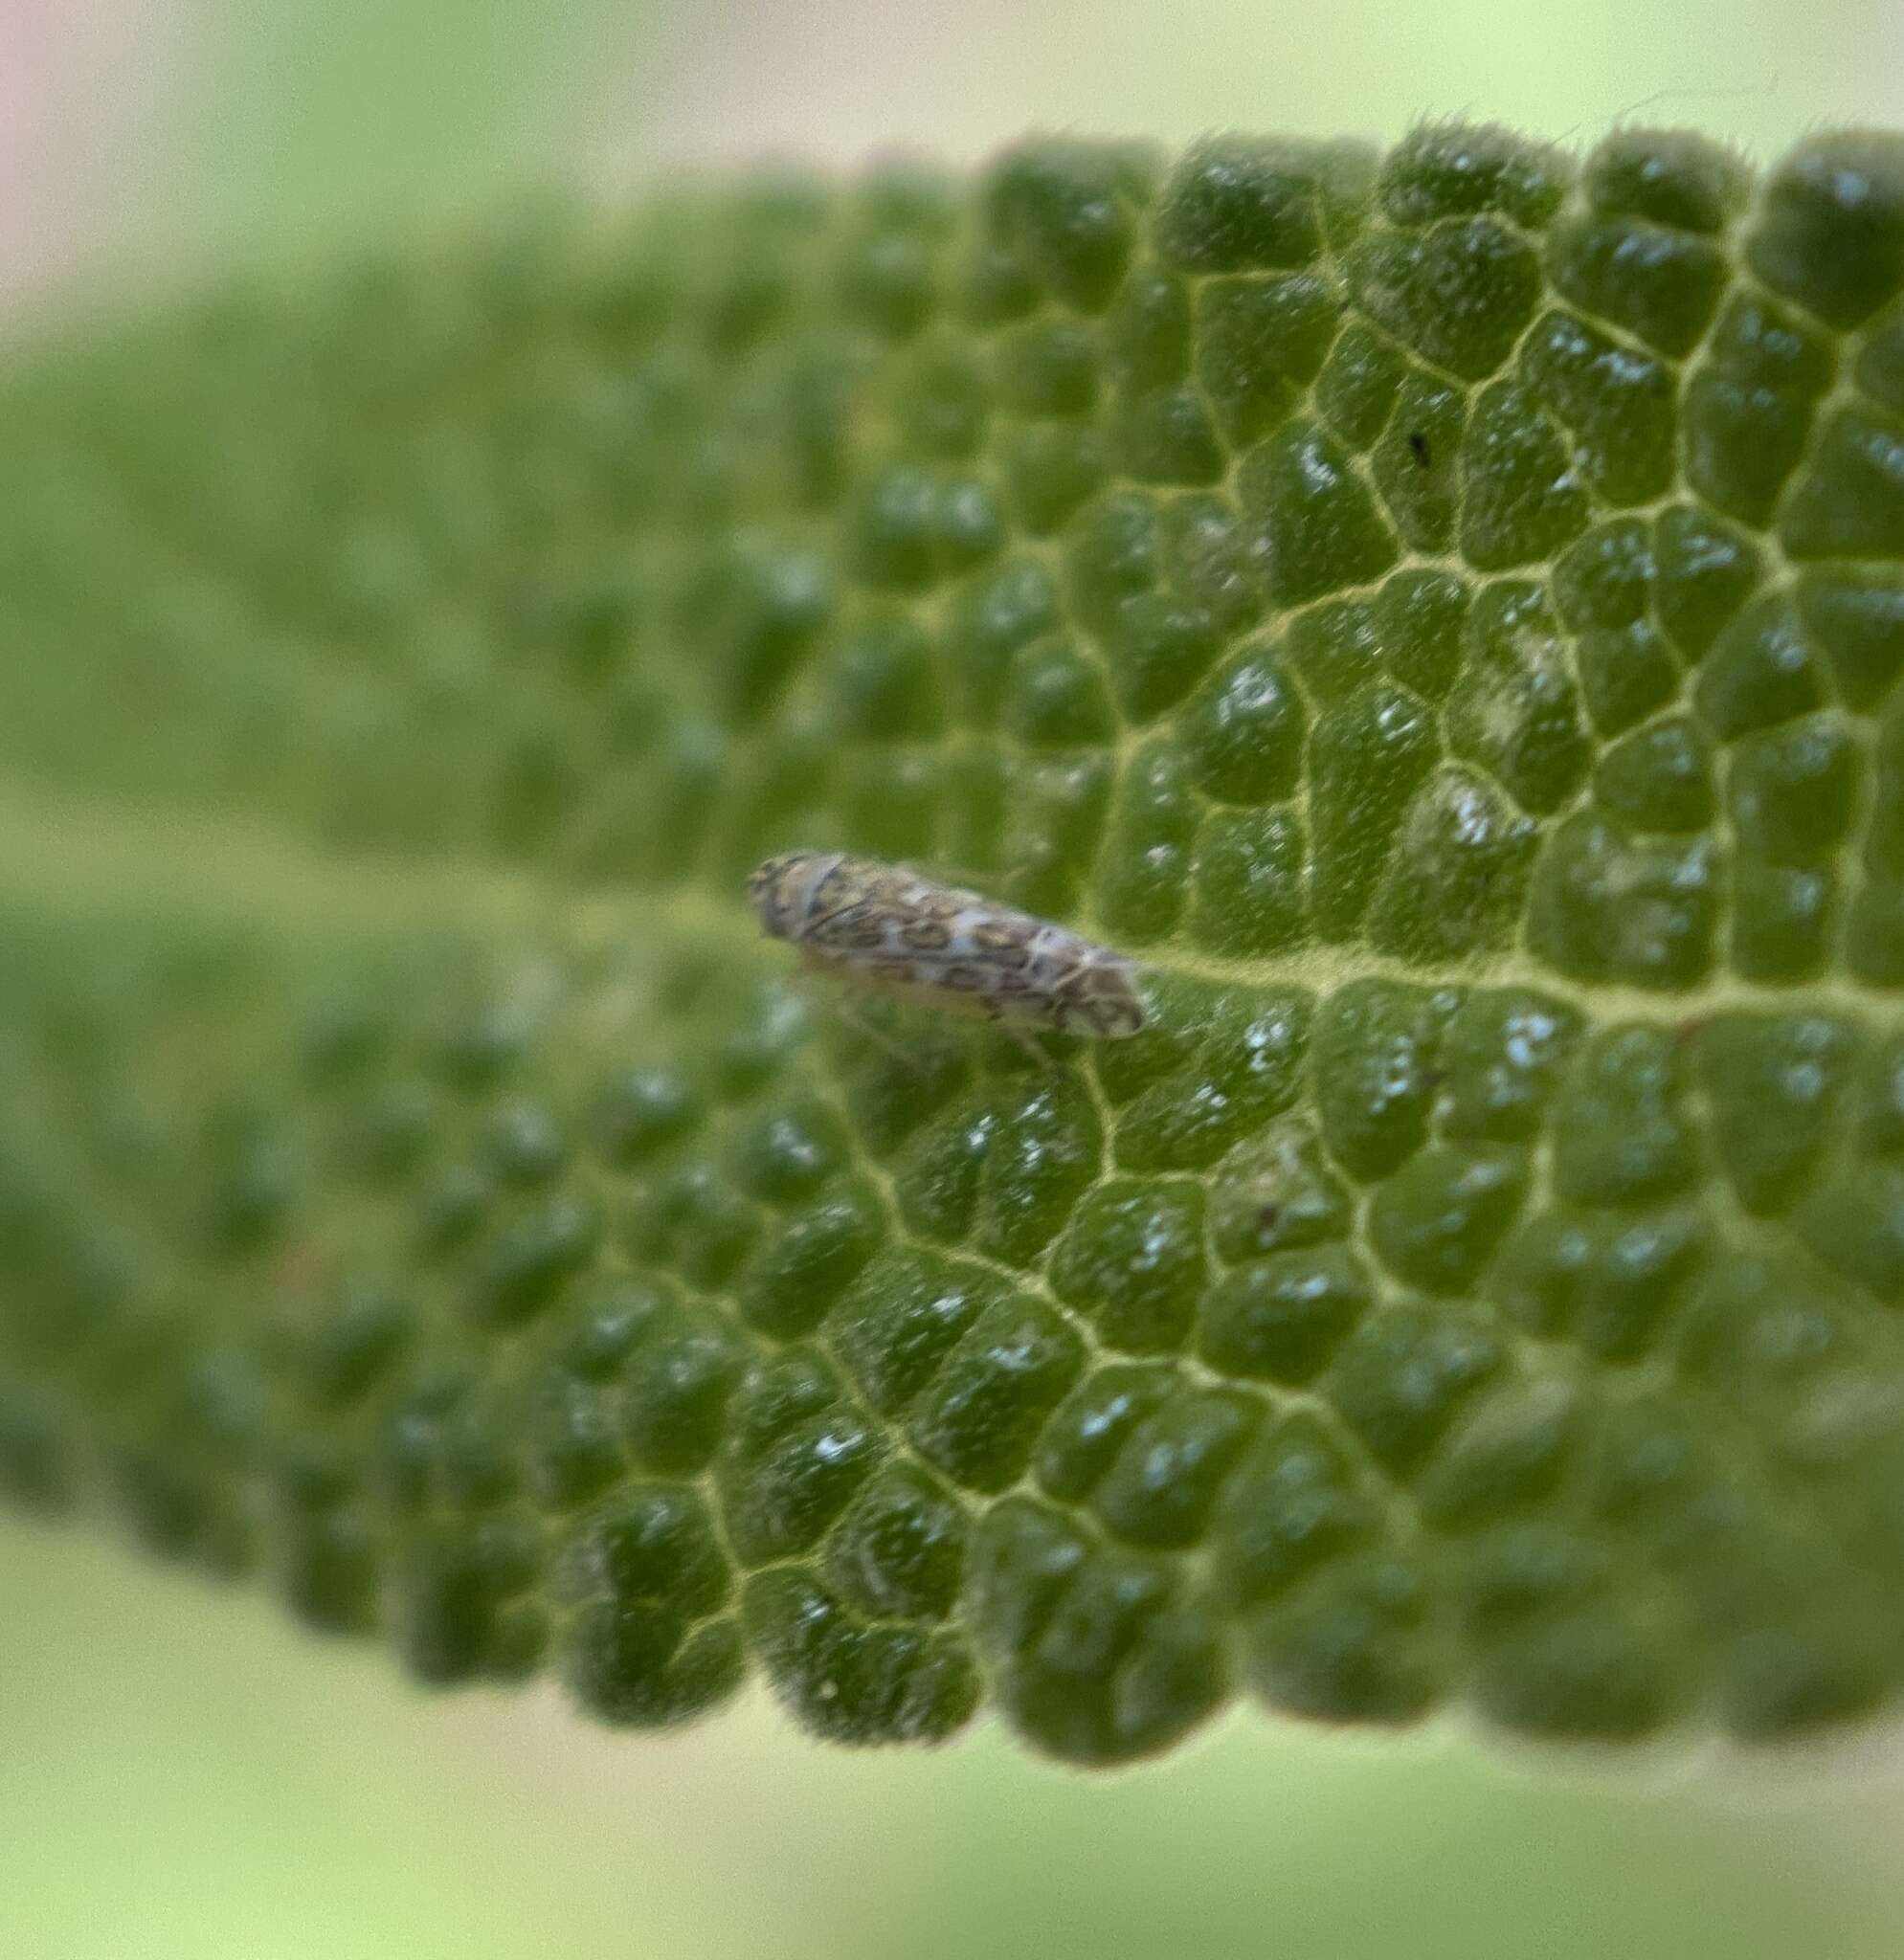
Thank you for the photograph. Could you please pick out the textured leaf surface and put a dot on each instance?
(1440, 611)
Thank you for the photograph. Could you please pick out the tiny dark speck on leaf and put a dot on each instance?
(1417, 448)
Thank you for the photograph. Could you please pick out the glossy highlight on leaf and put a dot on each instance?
(1438, 613)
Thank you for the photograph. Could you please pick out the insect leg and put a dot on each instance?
(849, 1013)
(1029, 1042)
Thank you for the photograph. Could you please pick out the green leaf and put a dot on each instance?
(1440, 612)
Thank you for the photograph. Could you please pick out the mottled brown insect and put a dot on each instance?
(898, 931)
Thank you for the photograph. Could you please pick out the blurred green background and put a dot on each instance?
(181, 1772)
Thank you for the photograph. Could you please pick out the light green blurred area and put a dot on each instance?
(269, 124)
(183, 1774)
(186, 1778)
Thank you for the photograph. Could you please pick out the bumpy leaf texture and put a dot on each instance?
(1442, 611)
